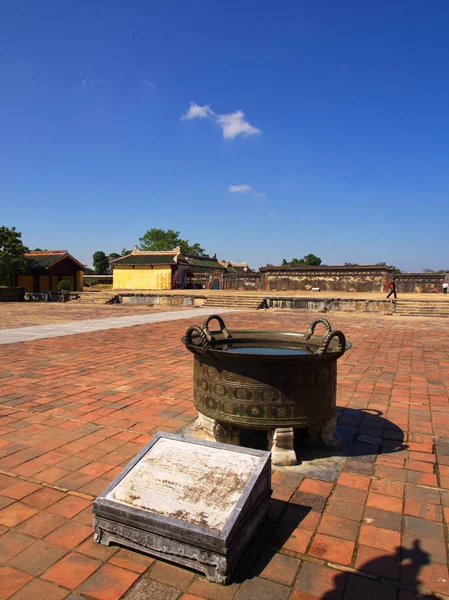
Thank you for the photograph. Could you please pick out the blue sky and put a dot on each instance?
(342, 149)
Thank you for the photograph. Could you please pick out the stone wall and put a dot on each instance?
(420, 283)
(12, 294)
(335, 279)
(248, 282)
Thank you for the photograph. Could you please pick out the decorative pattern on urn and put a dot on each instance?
(298, 396)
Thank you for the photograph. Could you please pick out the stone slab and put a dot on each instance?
(193, 502)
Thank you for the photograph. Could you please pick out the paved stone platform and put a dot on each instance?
(74, 410)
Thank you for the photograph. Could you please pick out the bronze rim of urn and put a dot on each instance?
(260, 379)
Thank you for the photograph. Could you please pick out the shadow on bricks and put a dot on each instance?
(365, 432)
(270, 538)
(412, 561)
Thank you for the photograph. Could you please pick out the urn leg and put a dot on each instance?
(217, 431)
(281, 442)
(326, 433)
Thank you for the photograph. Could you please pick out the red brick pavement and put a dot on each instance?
(27, 314)
(74, 410)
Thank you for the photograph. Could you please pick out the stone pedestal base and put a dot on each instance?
(280, 440)
(325, 433)
(217, 431)
(216, 567)
(191, 502)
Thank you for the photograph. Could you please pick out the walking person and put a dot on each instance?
(445, 286)
(392, 288)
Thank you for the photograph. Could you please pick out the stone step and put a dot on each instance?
(422, 302)
(239, 300)
(240, 306)
(432, 301)
(249, 306)
(439, 308)
(223, 299)
(436, 316)
(415, 307)
(422, 313)
(423, 308)
(252, 302)
(236, 299)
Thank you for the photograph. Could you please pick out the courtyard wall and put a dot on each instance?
(363, 278)
(420, 283)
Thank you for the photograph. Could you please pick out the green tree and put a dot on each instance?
(64, 285)
(309, 260)
(113, 256)
(100, 263)
(312, 260)
(12, 251)
(191, 250)
(159, 240)
(125, 252)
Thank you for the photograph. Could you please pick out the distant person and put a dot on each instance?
(445, 286)
(392, 288)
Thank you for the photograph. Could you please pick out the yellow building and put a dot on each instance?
(45, 269)
(165, 270)
(146, 270)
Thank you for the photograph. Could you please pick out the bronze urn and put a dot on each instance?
(276, 381)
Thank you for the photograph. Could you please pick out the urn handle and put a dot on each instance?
(223, 329)
(200, 331)
(327, 339)
(313, 324)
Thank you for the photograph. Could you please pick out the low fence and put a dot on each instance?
(12, 294)
(50, 296)
(385, 307)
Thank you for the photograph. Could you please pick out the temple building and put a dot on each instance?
(45, 269)
(166, 270)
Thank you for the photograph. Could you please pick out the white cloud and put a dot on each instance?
(272, 214)
(232, 124)
(235, 124)
(197, 112)
(242, 189)
(147, 83)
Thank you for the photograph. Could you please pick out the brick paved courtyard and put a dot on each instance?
(27, 314)
(74, 410)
